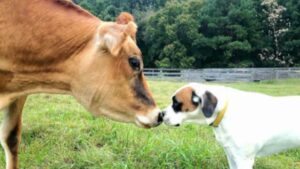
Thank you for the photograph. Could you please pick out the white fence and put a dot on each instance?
(223, 74)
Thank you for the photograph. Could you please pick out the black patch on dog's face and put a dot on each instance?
(177, 106)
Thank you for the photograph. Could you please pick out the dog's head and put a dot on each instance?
(191, 103)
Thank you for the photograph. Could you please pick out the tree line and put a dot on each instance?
(211, 33)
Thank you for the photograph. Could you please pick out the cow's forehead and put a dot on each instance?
(131, 47)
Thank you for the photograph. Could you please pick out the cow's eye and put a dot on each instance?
(134, 63)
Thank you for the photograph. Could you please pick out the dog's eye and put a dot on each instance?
(134, 63)
(196, 100)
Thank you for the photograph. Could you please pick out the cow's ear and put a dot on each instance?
(124, 18)
(127, 20)
(131, 30)
(112, 43)
(209, 104)
(112, 37)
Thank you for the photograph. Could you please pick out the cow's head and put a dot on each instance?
(110, 81)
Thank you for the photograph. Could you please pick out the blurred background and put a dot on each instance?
(211, 33)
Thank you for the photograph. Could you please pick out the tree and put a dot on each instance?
(211, 33)
(290, 42)
(276, 28)
(170, 33)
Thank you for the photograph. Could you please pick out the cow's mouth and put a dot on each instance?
(144, 122)
(143, 125)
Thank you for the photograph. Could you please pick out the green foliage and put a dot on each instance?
(291, 41)
(210, 33)
(109, 9)
(171, 33)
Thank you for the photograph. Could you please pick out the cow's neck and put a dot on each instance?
(47, 37)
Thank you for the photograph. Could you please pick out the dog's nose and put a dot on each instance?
(161, 116)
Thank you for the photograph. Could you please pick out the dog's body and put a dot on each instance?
(253, 124)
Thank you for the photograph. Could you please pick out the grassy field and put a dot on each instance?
(59, 133)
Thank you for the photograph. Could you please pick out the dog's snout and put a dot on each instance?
(161, 116)
(163, 113)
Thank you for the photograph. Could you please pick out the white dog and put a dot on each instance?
(246, 124)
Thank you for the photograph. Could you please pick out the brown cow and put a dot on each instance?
(54, 46)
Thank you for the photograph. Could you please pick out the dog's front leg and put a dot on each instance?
(230, 159)
(244, 163)
(10, 133)
(238, 161)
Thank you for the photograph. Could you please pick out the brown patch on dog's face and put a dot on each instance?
(183, 100)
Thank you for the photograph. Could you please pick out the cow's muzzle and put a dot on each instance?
(153, 119)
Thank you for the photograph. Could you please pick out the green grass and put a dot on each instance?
(59, 133)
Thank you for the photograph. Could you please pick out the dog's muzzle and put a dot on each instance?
(167, 120)
(160, 118)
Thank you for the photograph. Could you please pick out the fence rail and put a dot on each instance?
(223, 74)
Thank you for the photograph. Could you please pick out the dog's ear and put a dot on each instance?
(196, 100)
(209, 104)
